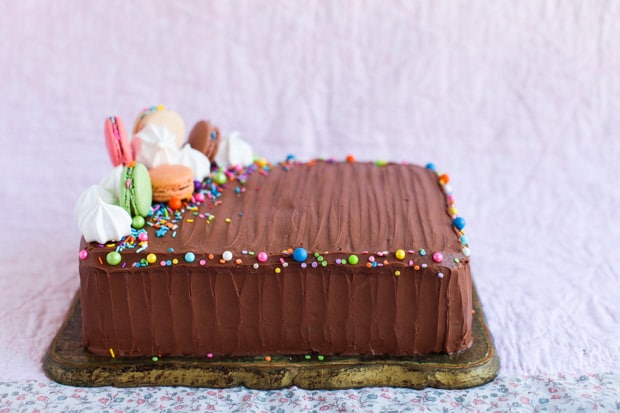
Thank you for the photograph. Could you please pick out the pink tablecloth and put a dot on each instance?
(518, 102)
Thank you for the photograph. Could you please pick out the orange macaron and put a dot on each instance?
(171, 181)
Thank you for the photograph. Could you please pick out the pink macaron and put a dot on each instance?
(116, 141)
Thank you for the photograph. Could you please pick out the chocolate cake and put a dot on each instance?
(321, 257)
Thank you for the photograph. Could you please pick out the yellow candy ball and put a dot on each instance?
(400, 254)
(151, 258)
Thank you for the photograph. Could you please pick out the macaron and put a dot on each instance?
(136, 194)
(160, 115)
(171, 181)
(205, 138)
(116, 141)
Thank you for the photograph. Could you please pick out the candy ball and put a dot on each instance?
(113, 258)
(353, 259)
(83, 254)
(227, 255)
(262, 256)
(300, 254)
(459, 223)
(199, 197)
(220, 178)
(190, 257)
(175, 203)
(438, 257)
(151, 258)
(143, 236)
(137, 222)
(430, 166)
(400, 254)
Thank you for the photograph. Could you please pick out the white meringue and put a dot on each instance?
(100, 220)
(195, 160)
(234, 151)
(158, 146)
(112, 183)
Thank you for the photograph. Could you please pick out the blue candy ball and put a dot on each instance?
(300, 254)
(190, 257)
(430, 166)
(459, 223)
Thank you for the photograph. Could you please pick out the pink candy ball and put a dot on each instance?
(200, 197)
(143, 236)
(262, 256)
(438, 257)
(83, 254)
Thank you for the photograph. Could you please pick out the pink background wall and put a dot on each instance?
(517, 101)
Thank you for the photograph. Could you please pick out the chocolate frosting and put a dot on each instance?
(246, 307)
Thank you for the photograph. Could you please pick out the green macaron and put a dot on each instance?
(136, 193)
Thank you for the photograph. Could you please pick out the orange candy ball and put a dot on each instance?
(350, 158)
(175, 203)
(444, 179)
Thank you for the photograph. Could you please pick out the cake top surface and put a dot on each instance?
(330, 209)
(321, 206)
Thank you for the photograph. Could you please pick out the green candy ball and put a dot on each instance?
(113, 258)
(137, 222)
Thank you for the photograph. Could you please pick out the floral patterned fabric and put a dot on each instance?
(591, 392)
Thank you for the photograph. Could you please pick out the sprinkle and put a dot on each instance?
(439, 275)
(238, 261)
(466, 252)
(155, 358)
(278, 270)
(175, 261)
(320, 357)
(422, 252)
(227, 220)
(307, 356)
(400, 254)
(304, 265)
(416, 267)
(267, 359)
(112, 353)
(227, 255)
(209, 355)
(255, 266)
(202, 262)
(397, 273)
(211, 256)
(371, 258)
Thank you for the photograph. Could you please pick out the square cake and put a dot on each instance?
(323, 257)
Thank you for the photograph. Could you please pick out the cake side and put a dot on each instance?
(386, 273)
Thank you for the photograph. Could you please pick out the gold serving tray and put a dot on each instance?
(67, 362)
